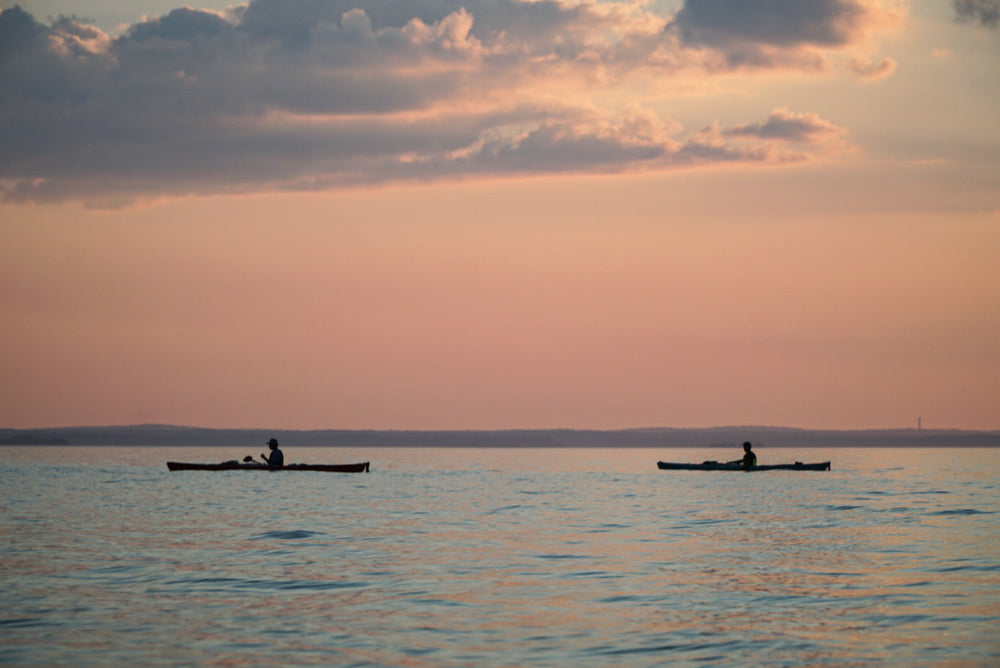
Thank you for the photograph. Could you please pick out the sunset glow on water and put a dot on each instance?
(464, 557)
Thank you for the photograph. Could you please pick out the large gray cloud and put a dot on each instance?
(768, 32)
(983, 12)
(329, 93)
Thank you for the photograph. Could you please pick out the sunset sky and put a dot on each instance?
(481, 214)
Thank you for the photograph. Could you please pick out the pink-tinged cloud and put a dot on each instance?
(871, 70)
(784, 125)
(307, 94)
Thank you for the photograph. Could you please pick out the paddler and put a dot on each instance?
(749, 458)
(275, 459)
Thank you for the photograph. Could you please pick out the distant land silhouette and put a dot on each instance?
(728, 437)
(21, 438)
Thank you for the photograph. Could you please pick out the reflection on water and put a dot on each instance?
(499, 557)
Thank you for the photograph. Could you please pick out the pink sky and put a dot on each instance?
(606, 215)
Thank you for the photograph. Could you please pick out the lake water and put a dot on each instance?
(453, 557)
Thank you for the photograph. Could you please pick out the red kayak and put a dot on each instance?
(254, 466)
(726, 466)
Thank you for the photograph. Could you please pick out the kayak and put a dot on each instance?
(254, 466)
(725, 466)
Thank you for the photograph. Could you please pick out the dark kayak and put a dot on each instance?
(254, 466)
(724, 466)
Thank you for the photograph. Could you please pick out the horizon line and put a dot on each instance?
(164, 425)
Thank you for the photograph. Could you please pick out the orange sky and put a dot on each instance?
(587, 273)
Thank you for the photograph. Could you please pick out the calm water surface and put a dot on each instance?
(450, 557)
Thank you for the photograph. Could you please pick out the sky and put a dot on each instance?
(500, 214)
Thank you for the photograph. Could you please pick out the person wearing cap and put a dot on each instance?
(276, 458)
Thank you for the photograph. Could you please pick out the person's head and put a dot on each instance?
(273, 443)
(746, 447)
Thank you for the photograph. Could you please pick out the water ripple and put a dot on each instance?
(286, 535)
(478, 561)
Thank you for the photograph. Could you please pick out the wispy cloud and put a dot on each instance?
(304, 94)
(870, 69)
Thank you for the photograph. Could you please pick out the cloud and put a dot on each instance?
(310, 94)
(770, 33)
(871, 70)
(786, 126)
(984, 12)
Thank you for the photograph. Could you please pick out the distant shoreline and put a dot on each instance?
(711, 437)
